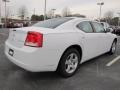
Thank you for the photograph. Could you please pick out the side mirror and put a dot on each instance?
(107, 30)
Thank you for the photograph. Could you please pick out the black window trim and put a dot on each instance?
(83, 30)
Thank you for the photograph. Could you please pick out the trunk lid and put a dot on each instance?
(18, 36)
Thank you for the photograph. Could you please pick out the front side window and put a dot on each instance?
(85, 26)
(98, 27)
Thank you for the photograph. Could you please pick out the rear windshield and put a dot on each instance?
(52, 23)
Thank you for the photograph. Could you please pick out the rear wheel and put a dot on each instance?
(113, 48)
(69, 62)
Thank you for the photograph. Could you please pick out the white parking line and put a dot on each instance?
(113, 61)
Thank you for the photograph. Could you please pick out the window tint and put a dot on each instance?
(52, 23)
(85, 26)
(98, 27)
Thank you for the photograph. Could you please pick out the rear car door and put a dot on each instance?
(89, 40)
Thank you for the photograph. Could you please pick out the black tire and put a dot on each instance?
(62, 64)
(113, 48)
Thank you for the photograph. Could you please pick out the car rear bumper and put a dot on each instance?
(33, 59)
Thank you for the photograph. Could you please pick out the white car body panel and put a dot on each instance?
(55, 42)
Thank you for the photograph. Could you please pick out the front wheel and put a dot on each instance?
(113, 48)
(69, 62)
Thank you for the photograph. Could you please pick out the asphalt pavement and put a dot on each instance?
(92, 75)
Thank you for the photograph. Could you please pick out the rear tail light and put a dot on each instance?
(34, 39)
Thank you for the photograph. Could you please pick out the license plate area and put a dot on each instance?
(11, 52)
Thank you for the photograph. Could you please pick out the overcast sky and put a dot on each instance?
(85, 7)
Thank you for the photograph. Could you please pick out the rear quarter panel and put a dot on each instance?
(59, 42)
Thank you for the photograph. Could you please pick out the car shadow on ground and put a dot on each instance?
(18, 78)
(53, 75)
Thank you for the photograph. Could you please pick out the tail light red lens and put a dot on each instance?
(34, 39)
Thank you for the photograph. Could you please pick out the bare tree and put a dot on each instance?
(23, 12)
(8, 13)
(109, 15)
(50, 14)
(78, 15)
(57, 15)
(66, 12)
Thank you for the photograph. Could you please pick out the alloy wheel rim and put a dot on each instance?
(71, 63)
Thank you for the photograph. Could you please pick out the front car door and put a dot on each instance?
(104, 38)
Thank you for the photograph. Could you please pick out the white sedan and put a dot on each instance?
(59, 44)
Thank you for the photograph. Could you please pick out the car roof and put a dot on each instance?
(80, 18)
(72, 23)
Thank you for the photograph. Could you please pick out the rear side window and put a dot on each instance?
(85, 26)
(98, 27)
(52, 23)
